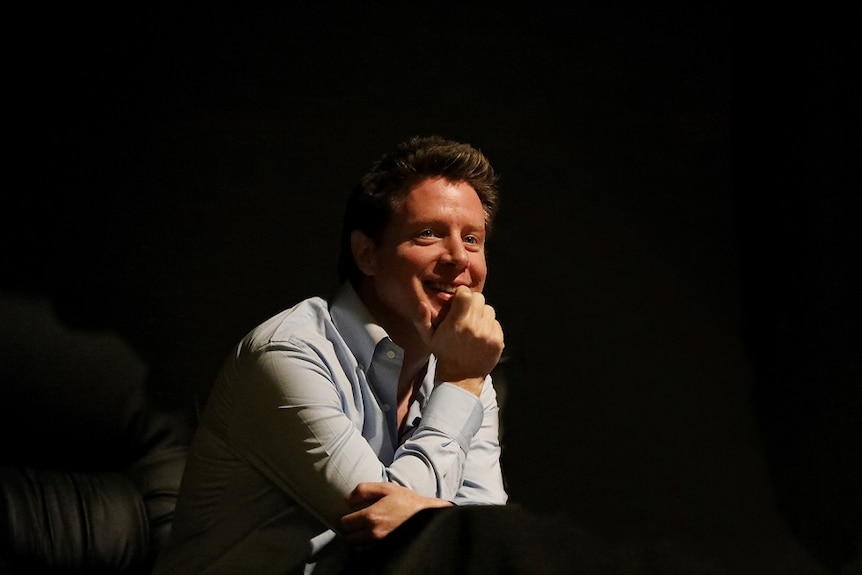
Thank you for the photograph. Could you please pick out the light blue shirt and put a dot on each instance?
(303, 410)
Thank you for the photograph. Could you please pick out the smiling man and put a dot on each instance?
(334, 422)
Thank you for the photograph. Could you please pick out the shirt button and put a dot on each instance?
(385, 407)
(390, 354)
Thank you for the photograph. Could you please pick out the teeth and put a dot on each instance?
(444, 288)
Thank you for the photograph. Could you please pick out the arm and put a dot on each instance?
(467, 343)
(381, 507)
(298, 422)
(297, 417)
(482, 482)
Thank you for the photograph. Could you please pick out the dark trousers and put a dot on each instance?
(470, 540)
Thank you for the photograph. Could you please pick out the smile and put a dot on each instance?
(441, 287)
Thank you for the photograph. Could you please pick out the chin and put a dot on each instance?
(438, 313)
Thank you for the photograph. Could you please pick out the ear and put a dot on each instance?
(362, 248)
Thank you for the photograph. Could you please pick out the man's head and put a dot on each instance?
(415, 230)
(380, 192)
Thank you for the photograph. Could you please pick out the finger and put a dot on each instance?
(369, 491)
(489, 313)
(354, 527)
(351, 522)
(462, 302)
(478, 305)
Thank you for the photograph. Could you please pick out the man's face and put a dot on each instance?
(434, 243)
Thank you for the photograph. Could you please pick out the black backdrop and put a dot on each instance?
(672, 263)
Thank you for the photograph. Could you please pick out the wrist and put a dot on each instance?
(472, 384)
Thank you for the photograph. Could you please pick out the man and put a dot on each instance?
(334, 422)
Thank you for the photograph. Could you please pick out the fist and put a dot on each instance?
(468, 342)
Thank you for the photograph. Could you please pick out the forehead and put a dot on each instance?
(439, 198)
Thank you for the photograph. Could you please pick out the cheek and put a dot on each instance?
(401, 270)
(414, 260)
(479, 269)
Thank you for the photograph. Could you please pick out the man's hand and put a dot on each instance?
(467, 343)
(382, 508)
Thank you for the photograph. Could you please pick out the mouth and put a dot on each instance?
(440, 290)
(441, 287)
(442, 293)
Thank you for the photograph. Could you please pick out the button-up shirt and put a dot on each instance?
(304, 409)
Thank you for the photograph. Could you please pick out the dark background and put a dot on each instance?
(672, 263)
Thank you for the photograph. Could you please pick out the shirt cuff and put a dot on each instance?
(453, 411)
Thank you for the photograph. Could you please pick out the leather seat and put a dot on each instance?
(90, 461)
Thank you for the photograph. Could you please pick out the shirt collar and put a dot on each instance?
(356, 324)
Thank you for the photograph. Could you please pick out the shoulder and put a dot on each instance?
(305, 323)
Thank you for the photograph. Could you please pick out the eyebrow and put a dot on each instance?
(439, 221)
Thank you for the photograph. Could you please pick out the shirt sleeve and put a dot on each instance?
(482, 481)
(475, 478)
(431, 461)
(290, 422)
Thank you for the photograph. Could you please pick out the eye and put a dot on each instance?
(473, 243)
(426, 236)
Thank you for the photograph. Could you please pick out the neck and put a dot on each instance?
(407, 337)
(404, 334)
(412, 371)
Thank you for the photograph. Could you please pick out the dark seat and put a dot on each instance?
(90, 462)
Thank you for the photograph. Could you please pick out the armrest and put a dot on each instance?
(89, 522)
(157, 477)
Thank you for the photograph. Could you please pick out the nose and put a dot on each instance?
(455, 253)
